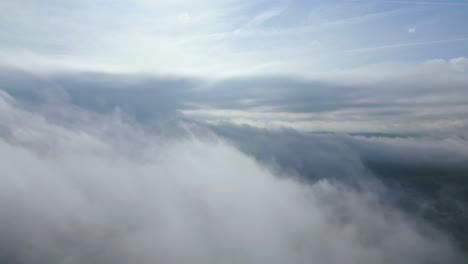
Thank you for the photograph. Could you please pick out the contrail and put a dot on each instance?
(402, 45)
(419, 3)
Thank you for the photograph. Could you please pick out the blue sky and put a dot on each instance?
(226, 38)
(343, 65)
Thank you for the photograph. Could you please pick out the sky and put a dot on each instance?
(378, 56)
(225, 38)
(398, 47)
(234, 131)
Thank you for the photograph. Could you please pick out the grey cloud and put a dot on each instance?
(142, 96)
(407, 103)
(312, 157)
(146, 96)
(277, 94)
(356, 148)
(424, 175)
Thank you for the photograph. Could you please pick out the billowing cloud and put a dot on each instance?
(233, 132)
(425, 175)
(98, 189)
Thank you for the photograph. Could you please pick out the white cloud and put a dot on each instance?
(259, 19)
(459, 64)
(184, 18)
(406, 45)
(421, 3)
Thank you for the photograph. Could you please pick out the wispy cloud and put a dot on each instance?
(404, 45)
(198, 37)
(260, 18)
(418, 2)
(248, 31)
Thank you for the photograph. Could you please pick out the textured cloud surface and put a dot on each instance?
(100, 190)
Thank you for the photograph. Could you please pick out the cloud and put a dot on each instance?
(421, 3)
(328, 155)
(389, 97)
(459, 64)
(184, 18)
(142, 97)
(99, 189)
(406, 45)
(412, 30)
(423, 175)
(419, 98)
(260, 19)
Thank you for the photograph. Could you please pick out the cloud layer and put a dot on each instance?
(102, 190)
(408, 98)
